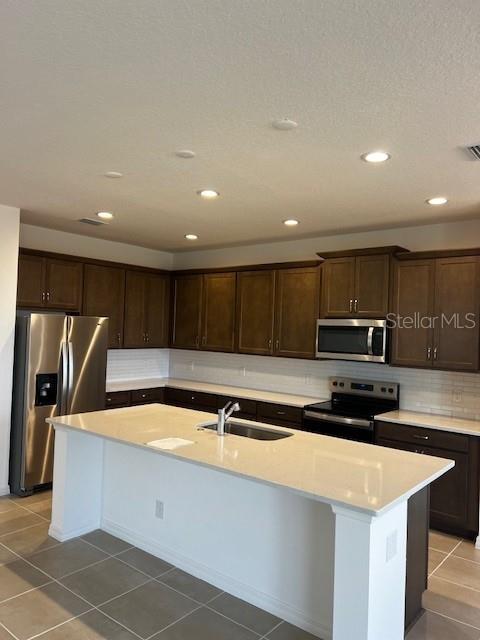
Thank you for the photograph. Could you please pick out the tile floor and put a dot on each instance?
(100, 588)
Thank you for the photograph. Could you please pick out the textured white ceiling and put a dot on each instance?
(98, 85)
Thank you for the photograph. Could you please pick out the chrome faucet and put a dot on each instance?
(224, 414)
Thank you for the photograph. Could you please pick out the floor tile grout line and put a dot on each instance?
(30, 526)
(446, 558)
(2, 626)
(173, 623)
(443, 615)
(160, 575)
(39, 635)
(18, 595)
(264, 637)
(457, 584)
(95, 546)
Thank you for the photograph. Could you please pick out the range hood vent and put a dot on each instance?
(475, 151)
(92, 221)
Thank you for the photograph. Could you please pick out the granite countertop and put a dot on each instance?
(432, 421)
(208, 387)
(355, 475)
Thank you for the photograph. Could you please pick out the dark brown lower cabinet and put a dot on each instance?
(454, 496)
(282, 415)
(191, 399)
(118, 399)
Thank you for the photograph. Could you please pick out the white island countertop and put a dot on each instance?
(210, 387)
(365, 477)
(432, 421)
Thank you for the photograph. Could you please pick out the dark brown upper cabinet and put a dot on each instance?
(104, 295)
(355, 286)
(436, 302)
(146, 310)
(204, 311)
(49, 283)
(218, 312)
(277, 311)
(296, 312)
(187, 311)
(255, 312)
(413, 286)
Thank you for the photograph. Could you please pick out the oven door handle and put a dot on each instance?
(370, 341)
(327, 417)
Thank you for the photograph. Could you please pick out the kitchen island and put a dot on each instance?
(308, 527)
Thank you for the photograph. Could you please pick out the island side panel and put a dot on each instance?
(77, 484)
(370, 568)
(264, 544)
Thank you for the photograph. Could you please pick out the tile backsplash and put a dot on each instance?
(127, 364)
(448, 393)
(441, 392)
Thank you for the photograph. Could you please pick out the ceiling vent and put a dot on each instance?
(475, 151)
(95, 223)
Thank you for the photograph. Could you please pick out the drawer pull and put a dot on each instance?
(419, 437)
(109, 399)
(144, 395)
(280, 413)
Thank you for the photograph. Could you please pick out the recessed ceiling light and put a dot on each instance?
(438, 200)
(185, 153)
(191, 236)
(105, 215)
(284, 124)
(291, 222)
(376, 156)
(113, 174)
(208, 194)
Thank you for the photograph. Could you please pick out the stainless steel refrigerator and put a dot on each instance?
(60, 368)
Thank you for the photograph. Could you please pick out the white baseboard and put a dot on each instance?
(5, 491)
(239, 589)
(63, 536)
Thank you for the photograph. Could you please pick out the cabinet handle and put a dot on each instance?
(351, 306)
(355, 305)
(435, 353)
(280, 413)
(119, 338)
(144, 337)
(109, 399)
(277, 345)
(419, 437)
(48, 296)
(270, 344)
(429, 353)
(204, 340)
(43, 296)
(421, 451)
(147, 337)
(144, 395)
(197, 341)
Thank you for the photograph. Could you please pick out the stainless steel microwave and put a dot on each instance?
(352, 339)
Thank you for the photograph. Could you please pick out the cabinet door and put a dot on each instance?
(156, 310)
(218, 312)
(135, 327)
(457, 299)
(104, 295)
(255, 311)
(412, 310)
(31, 281)
(187, 307)
(64, 281)
(338, 287)
(296, 312)
(371, 286)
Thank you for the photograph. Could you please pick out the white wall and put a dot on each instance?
(452, 235)
(32, 237)
(10, 220)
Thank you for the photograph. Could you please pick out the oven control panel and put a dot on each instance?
(366, 388)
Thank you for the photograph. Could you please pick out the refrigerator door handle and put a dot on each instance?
(70, 372)
(64, 392)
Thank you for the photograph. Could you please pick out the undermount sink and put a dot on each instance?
(245, 430)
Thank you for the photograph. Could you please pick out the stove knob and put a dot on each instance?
(335, 383)
(342, 384)
(390, 390)
(384, 389)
